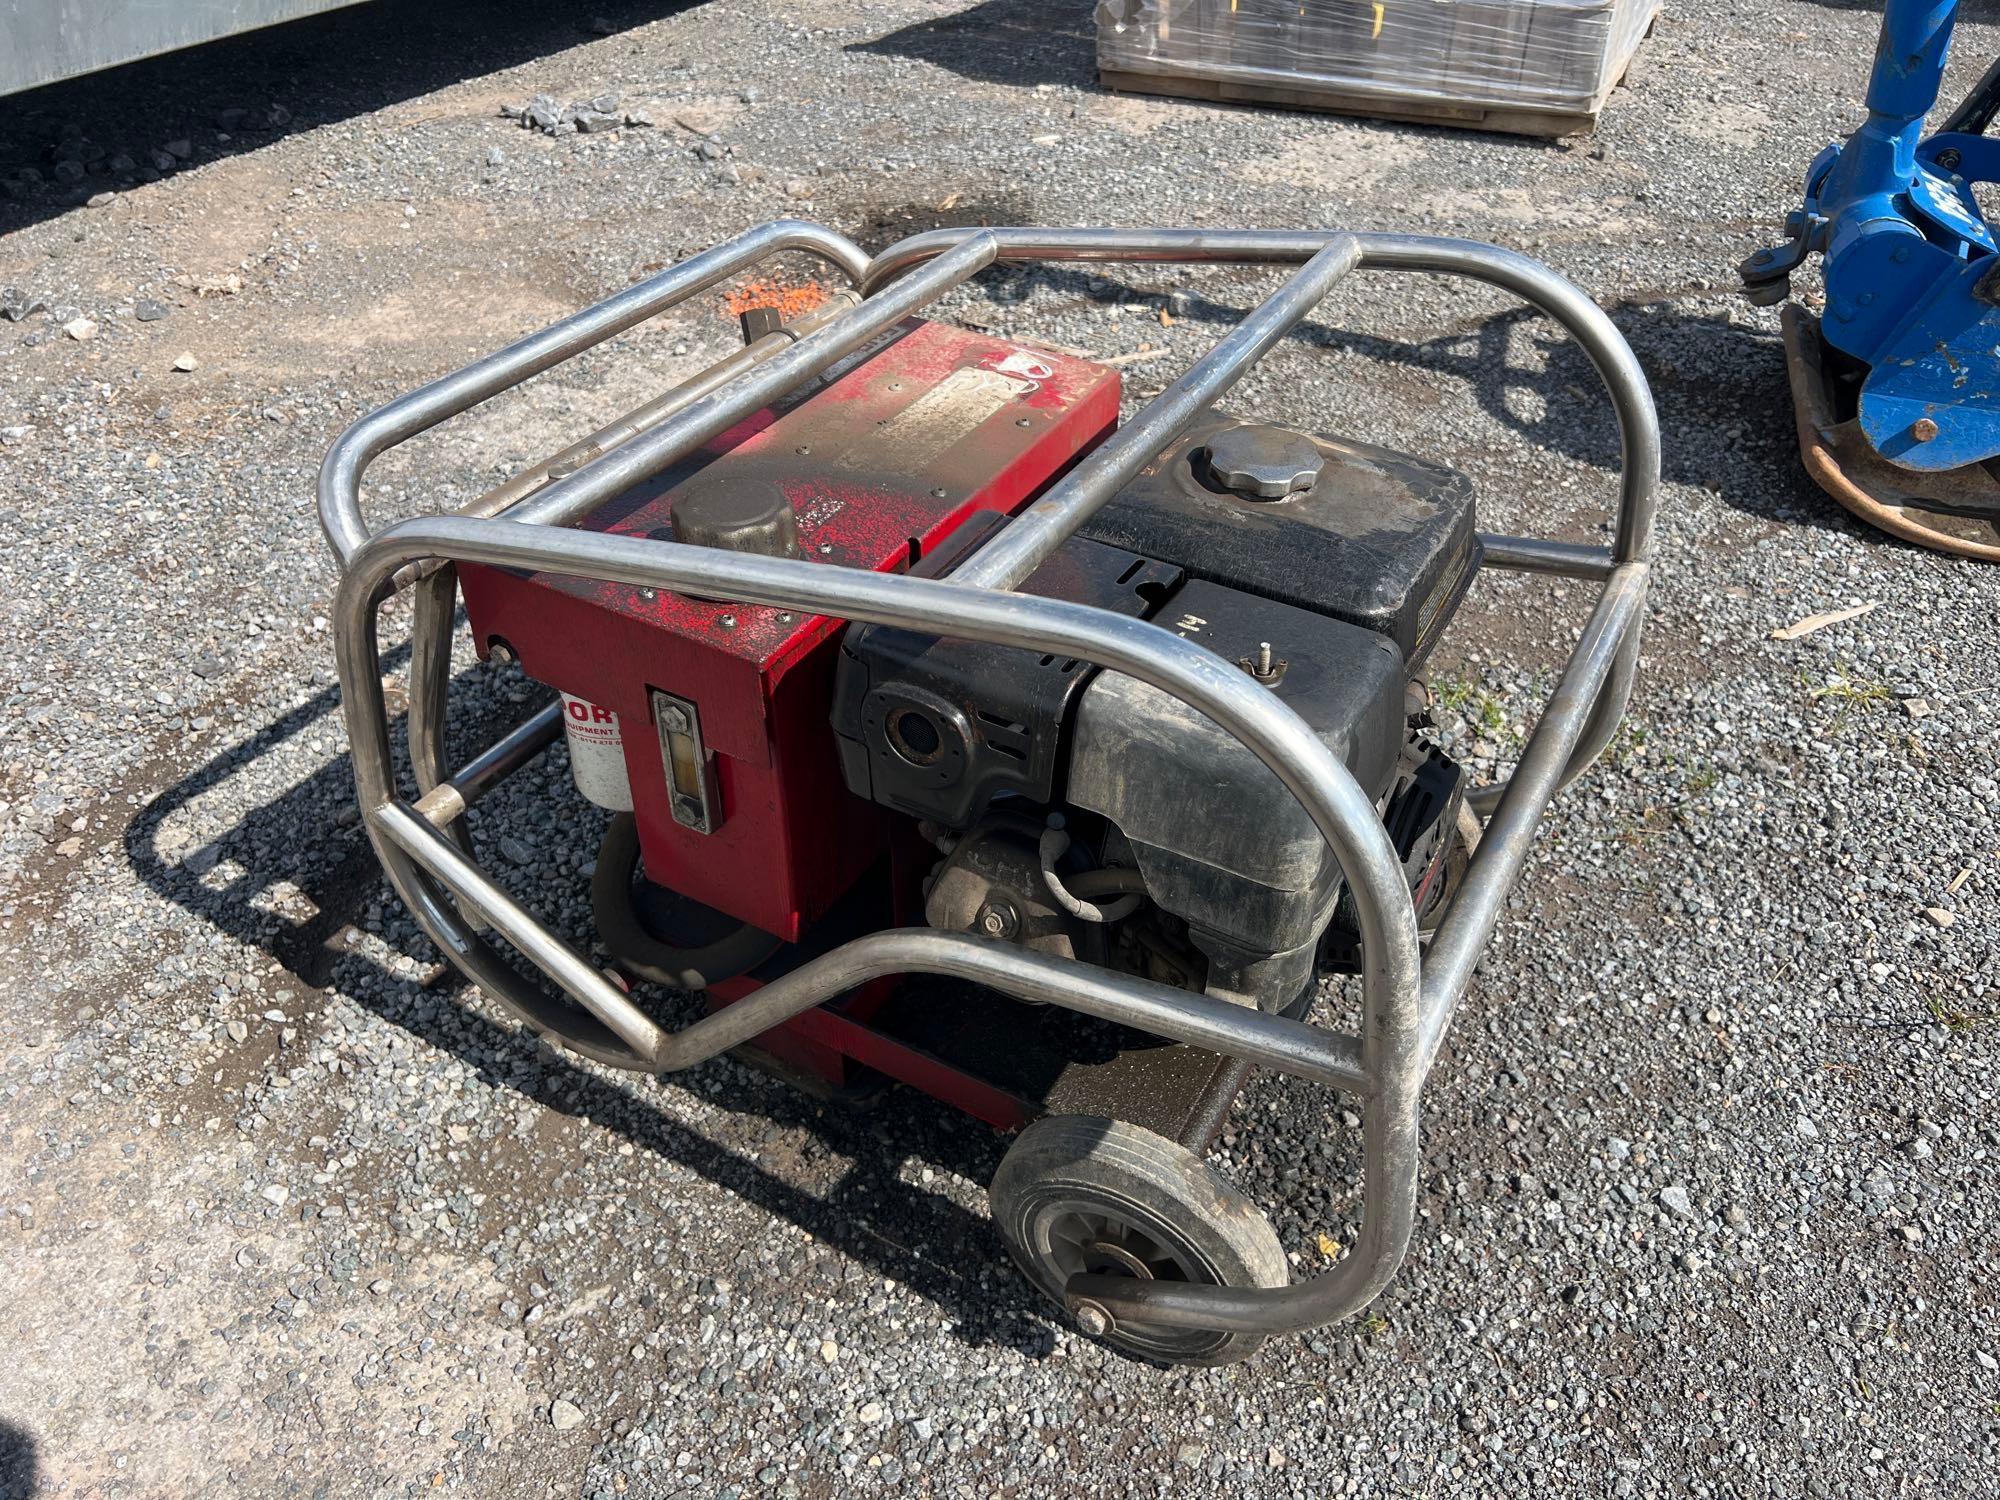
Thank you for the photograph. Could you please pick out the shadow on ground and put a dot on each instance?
(274, 81)
(304, 852)
(1724, 406)
(1002, 41)
(19, 1470)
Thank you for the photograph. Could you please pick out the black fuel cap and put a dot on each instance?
(737, 515)
(1264, 463)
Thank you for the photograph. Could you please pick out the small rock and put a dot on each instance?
(1986, 1361)
(564, 1415)
(1939, 917)
(149, 311)
(70, 848)
(1917, 1147)
(515, 852)
(1917, 708)
(638, 118)
(495, 157)
(238, 1030)
(187, 363)
(180, 147)
(829, 1351)
(871, 1412)
(751, 95)
(709, 151)
(598, 122)
(380, 1285)
(98, 200)
(276, 1194)
(80, 329)
(1674, 1199)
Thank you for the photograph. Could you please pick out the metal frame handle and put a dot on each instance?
(1406, 1005)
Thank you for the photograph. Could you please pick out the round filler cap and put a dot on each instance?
(737, 515)
(1264, 463)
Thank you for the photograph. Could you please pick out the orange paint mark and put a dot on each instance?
(789, 300)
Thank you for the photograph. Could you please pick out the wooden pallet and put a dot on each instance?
(1332, 99)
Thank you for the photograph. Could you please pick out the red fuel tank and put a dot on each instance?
(722, 709)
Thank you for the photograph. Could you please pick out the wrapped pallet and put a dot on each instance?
(1532, 67)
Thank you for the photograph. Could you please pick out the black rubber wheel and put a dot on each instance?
(1081, 1193)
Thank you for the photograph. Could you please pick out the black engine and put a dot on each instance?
(1087, 814)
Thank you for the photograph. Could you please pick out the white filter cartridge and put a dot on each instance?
(597, 753)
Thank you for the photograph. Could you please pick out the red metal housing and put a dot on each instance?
(881, 463)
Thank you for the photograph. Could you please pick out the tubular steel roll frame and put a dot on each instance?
(1408, 1001)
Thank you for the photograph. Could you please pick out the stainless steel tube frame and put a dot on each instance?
(1379, 1066)
(1533, 282)
(1406, 1010)
(361, 444)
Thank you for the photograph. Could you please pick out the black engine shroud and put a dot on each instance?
(1330, 594)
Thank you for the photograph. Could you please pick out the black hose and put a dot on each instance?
(1975, 112)
(644, 955)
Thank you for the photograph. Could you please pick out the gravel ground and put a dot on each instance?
(1710, 1203)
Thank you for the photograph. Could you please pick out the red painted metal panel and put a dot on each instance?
(882, 463)
(906, 1064)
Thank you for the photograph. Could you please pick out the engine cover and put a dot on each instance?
(885, 460)
(1221, 841)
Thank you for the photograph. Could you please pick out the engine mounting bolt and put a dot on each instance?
(1022, 422)
(1092, 1319)
(649, 594)
(1923, 429)
(997, 920)
(727, 622)
(826, 549)
(939, 493)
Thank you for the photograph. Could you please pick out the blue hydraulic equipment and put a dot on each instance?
(1897, 384)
